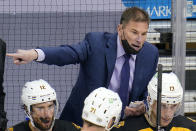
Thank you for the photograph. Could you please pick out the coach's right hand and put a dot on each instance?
(23, 56)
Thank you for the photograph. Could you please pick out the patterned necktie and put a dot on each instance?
(124, 83)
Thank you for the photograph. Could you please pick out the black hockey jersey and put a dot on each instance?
(139, 123)
(58, 126)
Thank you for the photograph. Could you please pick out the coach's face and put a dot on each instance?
(43, 115)
(134, 32)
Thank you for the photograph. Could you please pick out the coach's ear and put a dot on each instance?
(119, 30)
(119, 27)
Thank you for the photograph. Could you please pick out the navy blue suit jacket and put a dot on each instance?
(96, 55)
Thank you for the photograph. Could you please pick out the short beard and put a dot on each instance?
(43, 120)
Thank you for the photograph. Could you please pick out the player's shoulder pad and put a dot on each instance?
(120, 124)
(76, 126)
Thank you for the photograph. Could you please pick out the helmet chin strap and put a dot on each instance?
(147, 116)
(149, 112)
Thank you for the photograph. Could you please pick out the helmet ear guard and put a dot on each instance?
(101, 106)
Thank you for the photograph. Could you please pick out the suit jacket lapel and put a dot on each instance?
(111, 53)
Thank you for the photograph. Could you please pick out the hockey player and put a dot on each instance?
(172, 94)
(102, 110)
(41, 107)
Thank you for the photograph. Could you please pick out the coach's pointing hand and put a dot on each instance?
(23, 56)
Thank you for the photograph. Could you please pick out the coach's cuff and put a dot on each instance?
(40, 55)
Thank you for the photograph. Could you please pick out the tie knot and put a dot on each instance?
(126, 56)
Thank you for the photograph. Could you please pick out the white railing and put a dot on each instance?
(167, 63)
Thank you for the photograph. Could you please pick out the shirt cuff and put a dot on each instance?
(41, 55)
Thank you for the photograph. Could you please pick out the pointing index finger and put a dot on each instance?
(11, 54)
